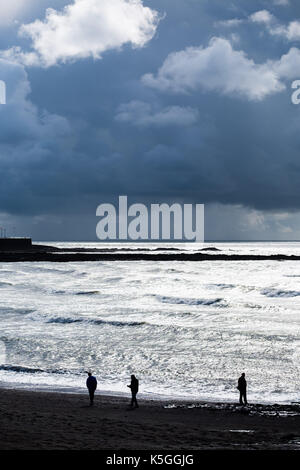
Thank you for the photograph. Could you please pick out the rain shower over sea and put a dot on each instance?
(186, 329)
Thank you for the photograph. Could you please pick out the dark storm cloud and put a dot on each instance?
(75, 134)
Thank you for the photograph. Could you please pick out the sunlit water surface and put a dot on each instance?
(186, 329)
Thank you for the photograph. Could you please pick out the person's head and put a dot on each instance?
(133, 377)
(243, 374)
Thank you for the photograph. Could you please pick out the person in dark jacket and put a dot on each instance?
(242, 387)
(134, 386)
(91, 383)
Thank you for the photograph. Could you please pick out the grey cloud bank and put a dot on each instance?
(170, 108)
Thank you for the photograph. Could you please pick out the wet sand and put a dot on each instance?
(54, 421)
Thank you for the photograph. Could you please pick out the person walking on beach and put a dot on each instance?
(242, 387)
(134, 386)
(91, 383)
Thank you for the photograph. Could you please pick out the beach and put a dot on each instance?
(186, 329)
(60, 421)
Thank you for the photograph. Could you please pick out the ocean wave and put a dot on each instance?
(189, 301)
(51, 291)
(221, 286)
(22, 311)
(22, 369)
(43, 269)
(118, 323)
(39, 288)
(271, 292)
(66, 320)
(2, 283)
(251, 305)
(112, 279)
(88, 292)
(33, 370)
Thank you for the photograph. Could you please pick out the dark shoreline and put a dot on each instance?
(53, 254)
(32, 420)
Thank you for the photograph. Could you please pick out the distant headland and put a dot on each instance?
(22, 249)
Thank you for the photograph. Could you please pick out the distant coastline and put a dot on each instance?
(55, 254)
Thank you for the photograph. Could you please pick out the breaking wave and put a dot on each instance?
(186, 301)
(269, 292)
(65, 320)
(22, 311)
(28, 370)
(88, 292)
(221, 286)
(31, 370)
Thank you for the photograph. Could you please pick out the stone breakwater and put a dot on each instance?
(54, 254)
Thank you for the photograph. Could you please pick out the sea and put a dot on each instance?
(186, 329)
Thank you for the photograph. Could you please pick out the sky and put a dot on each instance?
(163, 101)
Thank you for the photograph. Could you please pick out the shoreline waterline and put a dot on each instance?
(146, 397)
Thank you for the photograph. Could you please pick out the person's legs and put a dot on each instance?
(91, 392)
(245, 397)
(133, 400)
(241, 397)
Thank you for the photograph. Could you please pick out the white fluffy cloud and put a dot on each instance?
(216, 68)
(291, 31)
(288, 67)
(144, 114)
(86, 28)
(262, 16)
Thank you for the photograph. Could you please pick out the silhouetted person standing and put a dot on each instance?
(91, 383)
(134, 386)
(242, 387)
